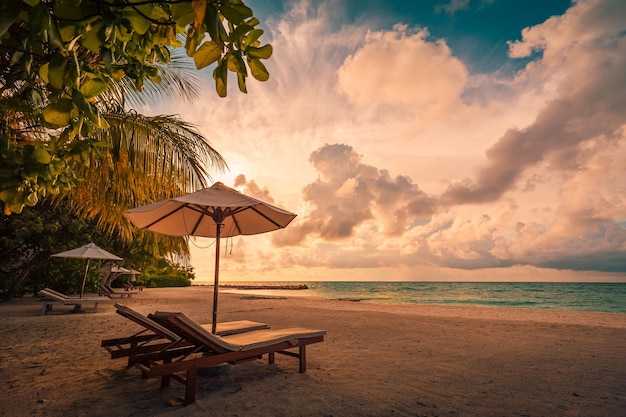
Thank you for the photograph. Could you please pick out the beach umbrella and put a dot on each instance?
(133, 272)
(111, 271)
(217, 211)
(89, 252)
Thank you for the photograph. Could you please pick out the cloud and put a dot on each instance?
(590, 107)
(404, 70)
(252, 189)
(415, 164)
(349, 194)
(452, 6)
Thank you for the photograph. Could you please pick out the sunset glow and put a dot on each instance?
(461, 141)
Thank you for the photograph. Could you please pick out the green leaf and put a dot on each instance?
(239, 32)
(31, 3)
(235, 63)
(252, 37)
(235, 13)
(241, 82)
(211, 21)
(38, 18)
(263, 52)
(41, 156)
(86, 109)
(9, 15)
(67, 32)
(140, 23)
(94, 38)
(54, 37)
(16, 57)
(71, 10)
(253, 21)
(191, 41)
(43, 72)
(59, 112)
(56, 70)
(155, 12)
(122, 34)
(182, 13)
(206, 54)
(220, 74)
(35, 97)
(93, 87)
(258, 70)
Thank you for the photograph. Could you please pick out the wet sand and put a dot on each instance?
(376, 360)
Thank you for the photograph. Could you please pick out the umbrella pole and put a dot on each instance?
(217, 275)
(82, 289)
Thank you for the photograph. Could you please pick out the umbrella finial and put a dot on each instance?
(218, 215)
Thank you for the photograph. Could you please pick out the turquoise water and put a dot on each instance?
(600, 297)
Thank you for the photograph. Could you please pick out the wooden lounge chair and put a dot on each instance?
(155, 338)
(131, 287)
(111, 292)
(206, 349)
(50, 296)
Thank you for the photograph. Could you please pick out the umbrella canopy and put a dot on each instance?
(132, 273)
(197, 213)
(218, 211)
(111, 271)
(89, 251)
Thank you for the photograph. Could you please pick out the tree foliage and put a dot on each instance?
(28, 240)
(148, 159)
(60, 59)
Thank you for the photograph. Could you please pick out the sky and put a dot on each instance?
(450, 140)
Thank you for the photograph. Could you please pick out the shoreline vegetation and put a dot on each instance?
(261, 287)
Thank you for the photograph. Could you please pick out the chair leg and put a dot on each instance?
(45, 309)
(165, 379)
(302, 359)
(190, 386)
(271, 356)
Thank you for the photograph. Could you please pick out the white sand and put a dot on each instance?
(377, 360)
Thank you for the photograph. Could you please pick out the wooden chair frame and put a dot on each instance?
(203, 349)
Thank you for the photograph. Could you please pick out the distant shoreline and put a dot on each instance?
(265, 287)
(257, 287)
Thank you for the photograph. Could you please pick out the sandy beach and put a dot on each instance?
(376, 360)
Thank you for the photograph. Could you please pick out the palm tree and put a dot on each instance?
(146, 158)
(138, 160)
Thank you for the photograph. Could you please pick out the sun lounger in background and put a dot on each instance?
(50, 296)
(131, 287)
(111, 292)
(206, 349)
(155, 338)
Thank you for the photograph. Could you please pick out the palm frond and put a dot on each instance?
(147, 159)
(179, 81)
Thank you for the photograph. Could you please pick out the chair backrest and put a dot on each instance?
(193, 332)
(146, 322)
(47, 292)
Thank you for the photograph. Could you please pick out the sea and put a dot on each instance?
(596, 297)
